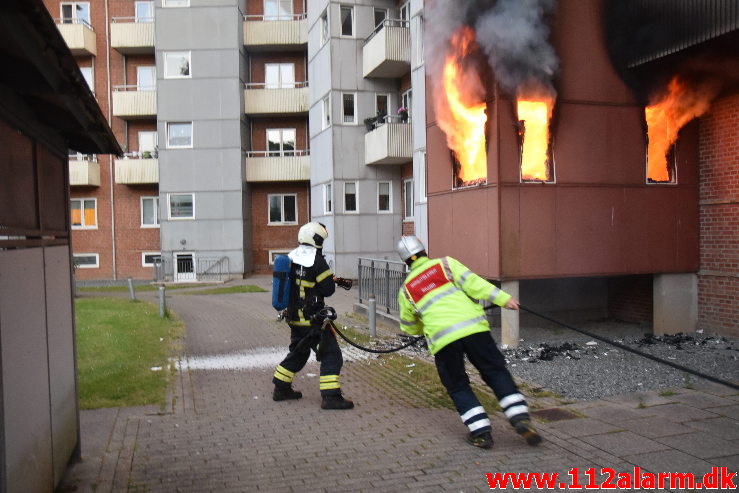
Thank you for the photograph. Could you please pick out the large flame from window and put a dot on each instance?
(534, 114)
(461, 108)
(665, 117)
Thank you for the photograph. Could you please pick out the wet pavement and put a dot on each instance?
(222, 432)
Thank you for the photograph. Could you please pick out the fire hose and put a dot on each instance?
(635, 351)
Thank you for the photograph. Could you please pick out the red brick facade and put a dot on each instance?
(718, 279)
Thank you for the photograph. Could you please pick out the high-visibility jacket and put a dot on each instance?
(438, 300)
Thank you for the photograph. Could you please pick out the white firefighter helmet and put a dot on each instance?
(312, 234)
(409, 246)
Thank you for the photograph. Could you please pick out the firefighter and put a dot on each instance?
(439, 300)
(311, 281)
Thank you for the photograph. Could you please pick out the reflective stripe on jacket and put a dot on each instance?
(437, 300)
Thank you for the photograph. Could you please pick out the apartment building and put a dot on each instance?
(211, 103)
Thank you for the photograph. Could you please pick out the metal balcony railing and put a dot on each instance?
(74, 20)
(197, 269)
(271, 85)
(386, 23)
(275, 17)
(383, 279)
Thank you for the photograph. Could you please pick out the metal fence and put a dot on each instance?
(383, 278)
(191, 269)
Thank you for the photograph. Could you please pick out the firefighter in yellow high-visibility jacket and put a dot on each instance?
(438, 300)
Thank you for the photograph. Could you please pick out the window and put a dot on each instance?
(87, 74)
(279, 75)
(380, 16)
(348, 108)
(422, 178)
(405, 11)
(149, 212)
(147, 142)
(350, 196)
(146, 78)
(175, 3)
(84, 213)
(383, 196)
(274, 253)
(419, 42)
(177, 65)
(406, 100)
(278, 10)
(408, 199)
(347, 21)
(179, 134)
(324, 27)
(328, 198)
(144, 11)
(181, 206)
(86, 260)
(326, 116)
(281, 142)
(283, 209)
(148, 259)
(381, 104)
(76, 13)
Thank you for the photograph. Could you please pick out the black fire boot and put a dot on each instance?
(285, 394)
(336, 402)
(527, 431)
(482, 440)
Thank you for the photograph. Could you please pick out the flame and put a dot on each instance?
(534, 115)
(463, 121)
(665, 118)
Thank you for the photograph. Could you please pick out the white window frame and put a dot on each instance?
(405, 11)
(145, 254)
(280, 251)
(419, 42)
(422, 184)
(91, 80)
(147, 19)
(155, 198)
(82, 212)
(152, 87)
(278, 16)
(408, 184)
(389, 198)
(325, 32)
(406, 100)
(156, 141)
(169, 207)
(387, 105)
(282, 209)
(280, 83)
(354, 119)
(374, 15)
(328, 198)
(87, 266)
(341, 24)
(169, 145)
(326, 112)
(356, 197)
(74, 19)
(175, 3)
(282, 152)
(184, 54)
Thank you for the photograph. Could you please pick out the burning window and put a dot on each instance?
(535, 143)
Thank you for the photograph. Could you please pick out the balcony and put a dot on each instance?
(275, 33)
(84, 171)
(137, 169)
(134, 102)
(387, 52)
(390, 142)
(260, 100)
(132, 36)
(79, 36)
(260, 166)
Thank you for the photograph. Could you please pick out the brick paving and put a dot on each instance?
(223, 432)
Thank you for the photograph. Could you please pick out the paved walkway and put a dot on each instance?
(223, 432)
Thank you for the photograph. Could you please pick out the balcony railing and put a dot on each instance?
(79, 36)
(191, 269)
(381, 278)
(272, 31)
(389, 142)
(387, 51)
(262, 99)
(132, 35)
(137, 168)
(264, 166)
(84, 171)
(133, 102)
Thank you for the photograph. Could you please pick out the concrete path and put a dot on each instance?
(223, 432)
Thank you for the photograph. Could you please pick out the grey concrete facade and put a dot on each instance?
(211, 98)
(418, 114)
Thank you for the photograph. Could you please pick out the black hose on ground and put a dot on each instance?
(370, 350)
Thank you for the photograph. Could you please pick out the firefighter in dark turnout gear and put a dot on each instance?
(311, 280)
(438, 300)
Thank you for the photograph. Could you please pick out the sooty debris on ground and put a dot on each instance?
(577, 366)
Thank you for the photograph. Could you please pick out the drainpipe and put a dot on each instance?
(110, 122)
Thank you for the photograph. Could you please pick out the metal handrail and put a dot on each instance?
(297, 152)
(277, 17)
(141, 155)
(73, 20)
(134, 87)
(388, 23)
(263, 85)
(141, 20)
(381, 278)
(377, 122)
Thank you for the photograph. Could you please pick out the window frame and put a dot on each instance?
(74, 19)
(82, 213)
(168, 54)
(146, 132)
(280, 84)
(325, 31)
(169, 207)
(387, 102)
(422, 180)
(87, 266)
(169, 137)
(153, 69)
(91, 80)
(354, 105)
(274, 252)
(281, 152)
(375, 10)
(328, 198)
(176, 3)
(389, 197)
(278, 16)
(326, 112)
(282, 222)
(353, 19)
(406, 203)
(156, 223)
(356, 197)
(151, 6)
(145, 254)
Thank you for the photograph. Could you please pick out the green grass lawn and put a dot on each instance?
(247, 288)
(136, 287)
(118, 344)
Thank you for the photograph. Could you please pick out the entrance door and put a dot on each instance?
(184, 267)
